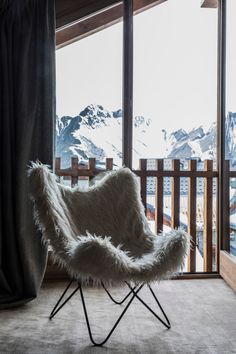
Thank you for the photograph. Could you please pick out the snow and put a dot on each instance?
(97, 132)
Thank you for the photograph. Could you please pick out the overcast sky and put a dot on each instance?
(175, 63)
(231, 57)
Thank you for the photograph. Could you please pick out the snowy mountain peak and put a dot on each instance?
(230, 137)
(95, 115)
(96, 132)
(196, 133)
(118, 113)
(178, 135)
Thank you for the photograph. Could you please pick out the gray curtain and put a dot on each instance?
(27, 109)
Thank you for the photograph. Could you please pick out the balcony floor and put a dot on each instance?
(202, 313)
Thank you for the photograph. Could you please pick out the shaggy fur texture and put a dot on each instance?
(103, 232)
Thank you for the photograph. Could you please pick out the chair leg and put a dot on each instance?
(133, 290)
(116, 323)
(167, 323)
(57, 308)
(112, 298)
(158, 303)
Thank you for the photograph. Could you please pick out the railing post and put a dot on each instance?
(143, 182)
(207, 237)
(192, 166)
(159, 198)
(57, 165)
(91, 167)
(109, 164)
(74, 171)
(175, 196)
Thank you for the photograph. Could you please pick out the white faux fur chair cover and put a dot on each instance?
(102, 233)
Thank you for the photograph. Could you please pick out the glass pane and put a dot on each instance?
(175, 99)
(175, 66)
(89, 98)
(230, 124)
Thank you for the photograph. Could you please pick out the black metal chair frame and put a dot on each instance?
(133, 293)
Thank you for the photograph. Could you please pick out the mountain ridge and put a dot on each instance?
(97, 132)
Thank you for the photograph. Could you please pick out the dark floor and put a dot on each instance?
(202, 314)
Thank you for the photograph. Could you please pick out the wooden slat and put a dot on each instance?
(228, 268)
(70, 11)
(209, 3)
(81, 172)
(175, 196)
(57, 165)
(232, 174)
(192, 216)
(159, 199)
(169, 173)
(74, 171)
(149, 173)
(143, 182)
(92, 167)
(207, 237)
(143, 5)
(109, 164)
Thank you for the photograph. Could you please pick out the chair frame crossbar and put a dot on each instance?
(132, 294)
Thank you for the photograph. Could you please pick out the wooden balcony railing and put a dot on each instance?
(173, 215)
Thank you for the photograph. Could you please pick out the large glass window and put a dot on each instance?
(174, 112)
(175, 66)
(89, 98)
(175, 102)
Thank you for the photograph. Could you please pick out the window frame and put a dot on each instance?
(68, 34)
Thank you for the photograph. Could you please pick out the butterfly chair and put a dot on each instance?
(103, 234)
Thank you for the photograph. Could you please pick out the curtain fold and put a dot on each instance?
(27, 111)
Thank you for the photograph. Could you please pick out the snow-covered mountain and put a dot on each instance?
(230, 141)
(97, 132)
(198, 143)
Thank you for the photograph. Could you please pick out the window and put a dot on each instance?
(89, 98)
(174, 82)
(174, 101)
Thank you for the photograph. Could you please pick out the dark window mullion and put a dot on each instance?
(127, 83)
(223, 182)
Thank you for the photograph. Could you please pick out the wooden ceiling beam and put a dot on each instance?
(209, 3)
(88, 26)
(98, 21)
(69, 11)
